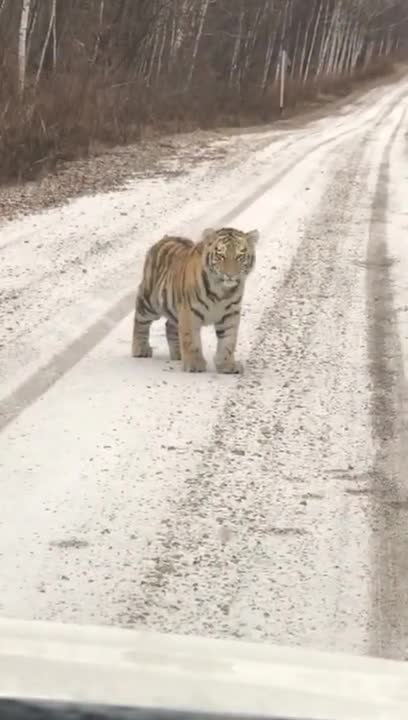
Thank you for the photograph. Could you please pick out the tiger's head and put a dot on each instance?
(229, 253)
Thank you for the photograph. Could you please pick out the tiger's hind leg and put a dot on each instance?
(143, 317)
(173, 340)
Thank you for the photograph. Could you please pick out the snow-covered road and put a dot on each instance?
(273, 506)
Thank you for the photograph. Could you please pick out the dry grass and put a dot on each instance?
(72, 116)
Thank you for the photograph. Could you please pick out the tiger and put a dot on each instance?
(192, 285)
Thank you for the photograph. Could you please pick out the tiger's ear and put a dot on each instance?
(253, 236)
(208, 234)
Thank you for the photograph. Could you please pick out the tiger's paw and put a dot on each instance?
(232, 367)
(175, 355)
(142, 352)
(197, 364)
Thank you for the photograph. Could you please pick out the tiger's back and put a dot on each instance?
(170, 269)
(194, 284)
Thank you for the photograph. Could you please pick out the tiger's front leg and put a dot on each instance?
(227, 336)
(173, 340)
(190, 342)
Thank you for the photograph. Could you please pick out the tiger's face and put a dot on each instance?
(230, 253)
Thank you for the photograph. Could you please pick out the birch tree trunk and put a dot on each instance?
(282, 36)
(327, 47)
(233, 74)
(303, 50)
(22, 44)
(202, 16)
(54, 38)
(180, 19)
(268, 61)
(31, 27)
(51, 25)
(313, 43)
(98, 37)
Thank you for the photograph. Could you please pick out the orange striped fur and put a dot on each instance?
(192, 285)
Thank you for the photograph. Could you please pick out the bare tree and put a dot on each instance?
(51, 29)
(22, 44)
(200, 24)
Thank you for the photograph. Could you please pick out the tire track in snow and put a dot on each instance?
(389, 404)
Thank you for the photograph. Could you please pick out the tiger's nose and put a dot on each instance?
(230, 269)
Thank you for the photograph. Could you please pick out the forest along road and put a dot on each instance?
(271, 506)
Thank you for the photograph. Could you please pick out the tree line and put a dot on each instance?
(76, 71)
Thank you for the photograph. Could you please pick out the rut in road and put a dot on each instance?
(388, 490)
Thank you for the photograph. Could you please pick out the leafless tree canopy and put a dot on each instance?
(76, 71)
